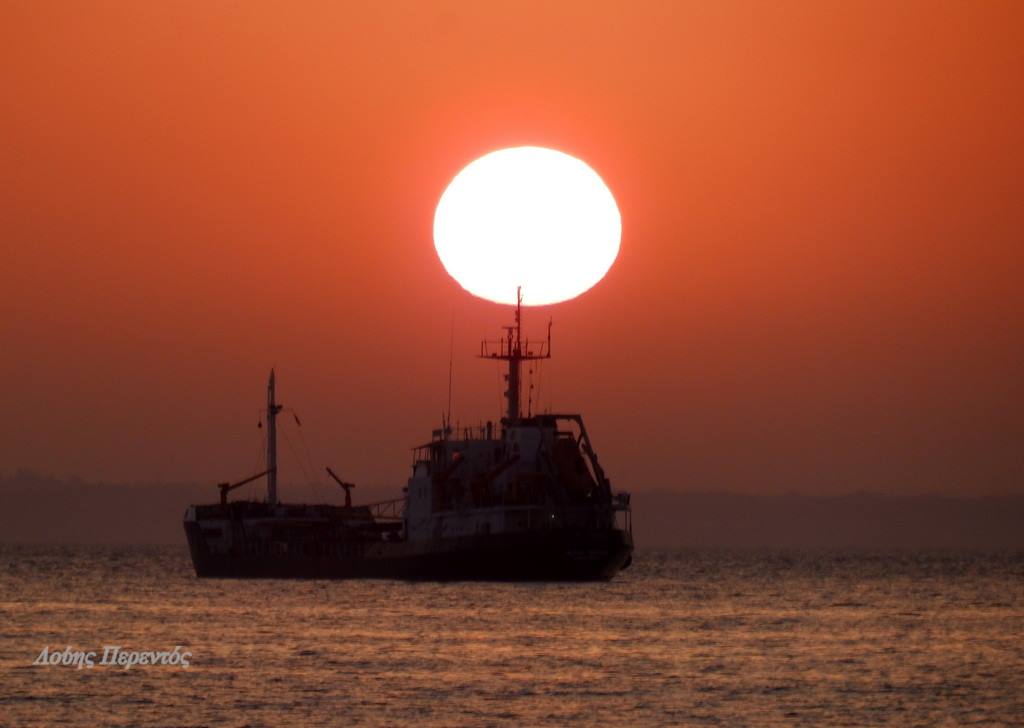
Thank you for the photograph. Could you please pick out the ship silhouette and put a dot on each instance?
(525, 499)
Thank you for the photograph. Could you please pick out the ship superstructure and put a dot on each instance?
(521, 499)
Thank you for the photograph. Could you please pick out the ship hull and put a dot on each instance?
(557, 555)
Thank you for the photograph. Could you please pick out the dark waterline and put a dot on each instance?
(683, 637)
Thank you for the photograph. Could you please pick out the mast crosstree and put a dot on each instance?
(515, 350)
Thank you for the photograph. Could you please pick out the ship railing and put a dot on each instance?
(389, 510)
(505, 348)
(544, 518)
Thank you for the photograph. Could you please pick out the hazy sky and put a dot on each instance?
(819, 288)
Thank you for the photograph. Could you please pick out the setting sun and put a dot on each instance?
(530, 217)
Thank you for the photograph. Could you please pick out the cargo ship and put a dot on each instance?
(524, 499)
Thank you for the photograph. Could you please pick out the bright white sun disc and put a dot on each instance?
(530, 217)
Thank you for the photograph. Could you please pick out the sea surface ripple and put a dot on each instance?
(681, 638)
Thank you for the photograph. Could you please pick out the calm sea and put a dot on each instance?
(681, 638)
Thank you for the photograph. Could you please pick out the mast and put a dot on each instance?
(272, 409)
(515, 357)
(515, 351)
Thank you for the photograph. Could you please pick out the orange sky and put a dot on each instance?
(819, 288)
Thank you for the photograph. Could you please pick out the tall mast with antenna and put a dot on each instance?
(515, 351)
(446, 425)
(272, 410)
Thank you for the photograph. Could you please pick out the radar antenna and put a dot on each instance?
(513, 349)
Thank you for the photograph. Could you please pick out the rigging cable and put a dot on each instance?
(309, 458)
(540, 373)
(529, 392)
(261, 452)
(298, 460)
(501, 405)
(451, 366)
(551, 392)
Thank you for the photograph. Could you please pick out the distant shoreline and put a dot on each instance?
(46, 510)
